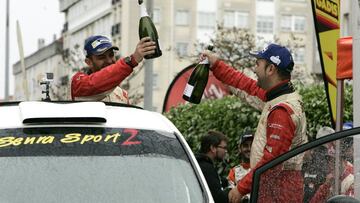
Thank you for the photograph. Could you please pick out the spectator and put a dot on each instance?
(314, 161)
(213, 148)
(326, 190)
(239, 171)
(314, 171)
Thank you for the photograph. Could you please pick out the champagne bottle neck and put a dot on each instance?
(143, 11)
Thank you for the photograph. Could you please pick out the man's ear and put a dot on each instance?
(88, 62)
(212, 148)
(272, 69)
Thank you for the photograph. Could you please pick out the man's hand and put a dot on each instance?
(212, 57)
(234, 196)
(143, 48)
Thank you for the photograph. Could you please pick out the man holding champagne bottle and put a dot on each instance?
(281, 127)
(102, 81)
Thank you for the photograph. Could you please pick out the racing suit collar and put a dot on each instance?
(284, 87)
(245, 165)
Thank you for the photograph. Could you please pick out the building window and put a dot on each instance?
(182, 17)
(299, 23)
(229, 19)
(242, 19)
(265, 24)
(207, 20)
(113, 2)
(182, 49)
(115, 29)
(64, 80)
(292, 23)
(156, 16)
(299, 56)
(155, 81)
(236, 19)
(285, 23)
(65, 27)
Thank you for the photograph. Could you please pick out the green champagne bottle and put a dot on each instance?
(147, 29)
(196, 84)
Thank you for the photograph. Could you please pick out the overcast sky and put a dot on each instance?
(38, 19)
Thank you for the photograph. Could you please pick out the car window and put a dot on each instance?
(325, 170)
(83, 164)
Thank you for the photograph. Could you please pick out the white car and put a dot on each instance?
(94, 152)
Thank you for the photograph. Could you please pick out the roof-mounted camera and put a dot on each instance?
(47, 79)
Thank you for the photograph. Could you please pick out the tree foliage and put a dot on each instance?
(228, 115)
(234, 44)
(317, 109)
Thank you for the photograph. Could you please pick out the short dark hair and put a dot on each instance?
(212, 138)
(284, 74)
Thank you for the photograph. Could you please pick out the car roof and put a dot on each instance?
(35, 113)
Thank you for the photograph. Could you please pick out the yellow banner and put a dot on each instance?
(327, 25)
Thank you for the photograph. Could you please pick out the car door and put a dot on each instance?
(327, 171)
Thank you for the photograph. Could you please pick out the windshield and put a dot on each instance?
(94, 165)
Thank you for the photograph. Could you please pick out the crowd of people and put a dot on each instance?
(281, 127)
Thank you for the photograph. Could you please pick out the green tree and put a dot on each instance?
(228, 115)
(232, 45)
(317, 109)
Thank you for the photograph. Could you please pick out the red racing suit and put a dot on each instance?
(282, 127)
(236, 173)
(102, 85)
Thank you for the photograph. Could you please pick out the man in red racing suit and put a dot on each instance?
(102, 82)
(281, 127)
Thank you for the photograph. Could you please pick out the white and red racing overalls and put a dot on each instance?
(281, 127)
(103, 85)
